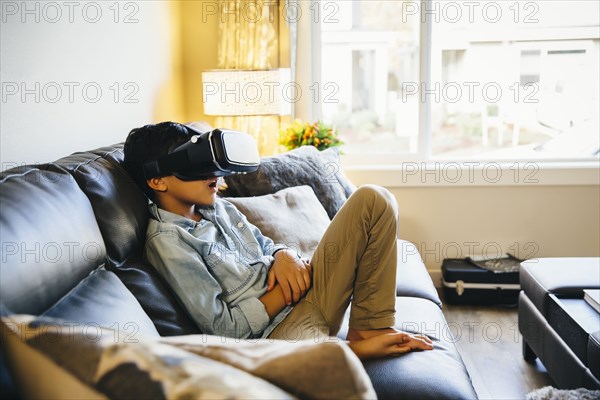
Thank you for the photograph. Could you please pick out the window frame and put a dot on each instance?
(389, 169)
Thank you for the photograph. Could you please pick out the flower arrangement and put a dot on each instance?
(318, 134)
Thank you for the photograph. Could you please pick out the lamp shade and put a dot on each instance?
(229, 92)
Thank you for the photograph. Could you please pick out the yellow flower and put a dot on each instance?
(317, 134)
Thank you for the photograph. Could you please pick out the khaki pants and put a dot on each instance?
(355, 260)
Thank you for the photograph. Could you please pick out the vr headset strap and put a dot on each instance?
(166, 165)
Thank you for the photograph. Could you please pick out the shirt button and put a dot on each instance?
(240, 225)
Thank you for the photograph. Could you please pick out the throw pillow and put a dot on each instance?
(331, 158)
(292, 216)
(301, 166)
(193, 366)
(110, 363)
(307, 369)
(101, 299)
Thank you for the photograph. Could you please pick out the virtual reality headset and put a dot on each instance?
(207, 155)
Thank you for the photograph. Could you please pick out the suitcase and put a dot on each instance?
(466, 283)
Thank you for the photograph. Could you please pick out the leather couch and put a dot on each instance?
(62, 223)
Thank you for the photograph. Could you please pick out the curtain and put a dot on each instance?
(249, 38)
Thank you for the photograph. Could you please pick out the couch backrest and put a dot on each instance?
(49, 236)
(119, 206)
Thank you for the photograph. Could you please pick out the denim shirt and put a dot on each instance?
(217, 268)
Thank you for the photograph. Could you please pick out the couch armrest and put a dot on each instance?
(412, 279)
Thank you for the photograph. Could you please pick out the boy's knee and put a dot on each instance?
(379, 196)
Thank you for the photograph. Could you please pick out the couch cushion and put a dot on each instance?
(412, 278)
(295, 366)
(119, 205)
(436, 374)
(292, 216)
(560, 276)
(155, 297)
(50, 239)
(101, 299)
(301, 166)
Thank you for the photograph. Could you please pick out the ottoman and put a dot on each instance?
(557, 324)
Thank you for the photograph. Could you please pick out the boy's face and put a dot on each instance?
(191, 193)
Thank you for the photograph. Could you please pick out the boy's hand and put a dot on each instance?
(292, 274)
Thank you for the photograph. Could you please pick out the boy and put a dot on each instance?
(236, 282)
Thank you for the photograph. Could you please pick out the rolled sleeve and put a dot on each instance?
(278, 247)
(254, 310)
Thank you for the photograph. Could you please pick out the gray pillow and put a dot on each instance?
(292, 216)
(331, 158)
(301, 166)
(101, 299)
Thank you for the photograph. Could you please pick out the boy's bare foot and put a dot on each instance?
(376, 343)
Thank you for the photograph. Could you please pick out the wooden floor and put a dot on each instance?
(489, 342)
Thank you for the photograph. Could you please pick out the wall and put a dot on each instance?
(81, 75)
(199, 27)
(526, 221)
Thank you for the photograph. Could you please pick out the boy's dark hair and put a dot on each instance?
(149, 143)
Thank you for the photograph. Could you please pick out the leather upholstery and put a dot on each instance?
(412, 278)
(565, 368)
(437, 374)
(561, 276)
(574, 335)
(402, 377)
(593, 353)
(50, 239)
(119, 206)
(555, 321)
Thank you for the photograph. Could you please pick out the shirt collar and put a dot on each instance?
(208, 213)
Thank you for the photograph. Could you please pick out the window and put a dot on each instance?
(368, 54)
(463, 80)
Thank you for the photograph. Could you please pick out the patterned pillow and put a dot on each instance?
(101, 299)
(109, 362)
(106, 361)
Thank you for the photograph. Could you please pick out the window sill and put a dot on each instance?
(476, 173)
